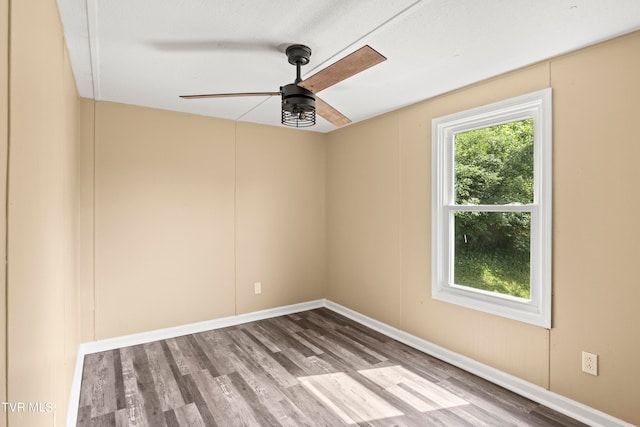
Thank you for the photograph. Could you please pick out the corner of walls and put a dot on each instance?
(280, 216)
(163, 218)
(364, 217)
(87, 200)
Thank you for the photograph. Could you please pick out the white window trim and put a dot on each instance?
(537, 310)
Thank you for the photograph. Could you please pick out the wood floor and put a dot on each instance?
(314, 368)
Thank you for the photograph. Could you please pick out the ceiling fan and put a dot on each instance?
(299, 99)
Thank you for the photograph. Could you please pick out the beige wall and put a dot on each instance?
(164, 230)
(379, 220)
(363, 214)
(597, 238)
(190, 211)
(280, 216)
(43, 210)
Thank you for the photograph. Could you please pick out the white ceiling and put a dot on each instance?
(148, 52)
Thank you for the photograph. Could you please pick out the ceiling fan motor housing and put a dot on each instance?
(298, 106)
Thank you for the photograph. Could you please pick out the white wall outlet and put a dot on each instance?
(257, 288)
(590, 363)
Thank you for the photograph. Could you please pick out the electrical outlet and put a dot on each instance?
(590, 363)
(257, 288)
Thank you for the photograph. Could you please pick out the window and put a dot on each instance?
(492, 208)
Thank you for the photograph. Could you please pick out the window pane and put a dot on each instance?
(492, 251)
(494, 165)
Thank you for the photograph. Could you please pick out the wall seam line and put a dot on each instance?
(235, 217)
(93, 217)
(549, 330)
(6, 218)
(400, 218)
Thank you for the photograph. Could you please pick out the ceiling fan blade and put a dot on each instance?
(352, 64)
(330, 114)
(229, 95)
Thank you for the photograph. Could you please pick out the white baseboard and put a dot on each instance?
(194, 328)
(163, 334)
(538, 394)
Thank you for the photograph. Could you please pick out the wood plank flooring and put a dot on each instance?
(314, 368)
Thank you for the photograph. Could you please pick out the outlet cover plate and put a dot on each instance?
(590, 363)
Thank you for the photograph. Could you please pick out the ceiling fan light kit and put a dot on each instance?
(299, 99)
(298, 106)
